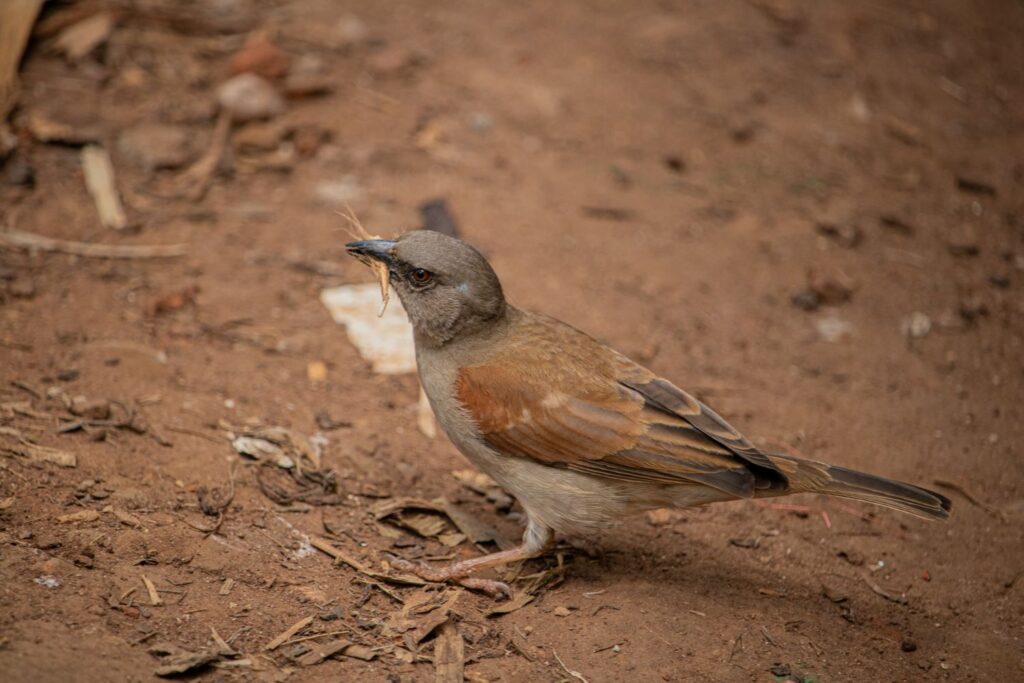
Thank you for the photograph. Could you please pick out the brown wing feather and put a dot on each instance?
(601, 414)
(667, 397)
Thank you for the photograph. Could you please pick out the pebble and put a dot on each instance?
(339, 192)
(261, 56)
(963, 244)
(392, 60)
(916, 325)
(18, 173)
(22, 289)
(843, 234)
(334, 614)
(832, 328)
(153, 146)
(351, 31)
(249, 97)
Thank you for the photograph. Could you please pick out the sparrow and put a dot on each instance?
(580, 434)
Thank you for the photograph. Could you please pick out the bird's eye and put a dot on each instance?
(421, 276)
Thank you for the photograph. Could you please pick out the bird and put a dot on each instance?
(580, 434)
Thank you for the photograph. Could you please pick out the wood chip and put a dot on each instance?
(54, 456)
(360, 652)
(81, 38)
(186, 661)
(288, 633)
(127, 518)
(225, 588)
(322, 651)
(225, 649)
(16, 19)
(80, 516)
(99, 180)
(520, 601)
(31, 241)
(154, 597)
(449, 655)
(421, 615)
(474, 528)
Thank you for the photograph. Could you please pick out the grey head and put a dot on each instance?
(446, 286)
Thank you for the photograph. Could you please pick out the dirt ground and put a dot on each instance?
(809, 213)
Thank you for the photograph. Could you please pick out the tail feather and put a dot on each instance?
(811, 476)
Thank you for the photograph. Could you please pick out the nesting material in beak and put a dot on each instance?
(367, 256)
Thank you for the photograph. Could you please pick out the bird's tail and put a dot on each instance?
(819, 477)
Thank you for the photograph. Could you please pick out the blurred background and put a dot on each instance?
(811, 214)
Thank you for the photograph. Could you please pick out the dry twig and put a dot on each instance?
(31, 241)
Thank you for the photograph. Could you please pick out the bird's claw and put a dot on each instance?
(493, 588)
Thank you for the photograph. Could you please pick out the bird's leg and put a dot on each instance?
(537, 539)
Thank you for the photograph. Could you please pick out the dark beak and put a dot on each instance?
(379, 250)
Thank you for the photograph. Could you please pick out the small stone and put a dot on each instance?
(845, 235)
(661, 516)
(308, 139)
(22, 289)
(260, 136)
(964, 244)
(830, 292)
(249, 97)
(833, 591)
(908, 645)
(832, 328)
(338, 193)
(262, 57)
(334, 614)
(481, 121)
(351, 31)
(972, 308)
(308, 76)
(999, 280)
(562, 611)
(153, 146)
(675, 163)
(18, 173)
(92, 409)
(307, 85)
(851, 556)
(69, 374)
(805, 299)
(392, 61)
(896, 224)
(916, 325)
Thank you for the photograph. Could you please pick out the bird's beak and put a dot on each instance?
(378, 250)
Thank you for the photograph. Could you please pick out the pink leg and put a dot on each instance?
(536, 541)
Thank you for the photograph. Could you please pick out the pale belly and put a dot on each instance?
(569, 502)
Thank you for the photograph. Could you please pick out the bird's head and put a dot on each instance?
(446, 286)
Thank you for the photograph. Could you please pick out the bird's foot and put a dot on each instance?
(453, 573)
